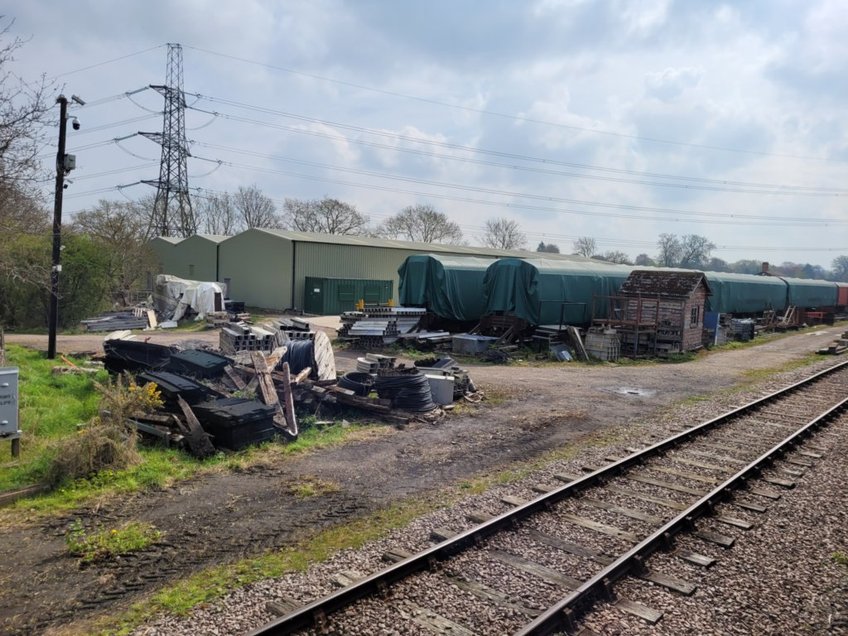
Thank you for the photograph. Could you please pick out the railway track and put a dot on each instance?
(541, 564)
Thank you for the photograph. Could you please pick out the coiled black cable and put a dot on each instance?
(409, 391)
(299, 354)
(359, 383)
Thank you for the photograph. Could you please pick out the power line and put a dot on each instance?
(520, 118)
(688, 182)
(732, 218)
(105, 62)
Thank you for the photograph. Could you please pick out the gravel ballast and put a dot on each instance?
(796, 585)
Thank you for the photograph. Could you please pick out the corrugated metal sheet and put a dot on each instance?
(196, 258)
(325, 296)
(259, 268)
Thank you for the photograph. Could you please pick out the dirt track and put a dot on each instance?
(223, 517)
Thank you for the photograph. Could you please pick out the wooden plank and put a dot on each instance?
(513, 501)
(749, 505)
(303, 375)
(647, 479)
(543, 488)
(196, 437)
(805, 463)
(281, 607)
(768, 494)
(578, 341)
(571, 548)
(235, 378)
(810, 454)
(491, 595)
(431, 621)
(151, 319)
(669, 582)
(441, 534)
(545, 573)
(722, 458)
(288, 400)
(733, 521)
(567, 477)
(704, 465)
(695, 558)
(685, 474)
(637, 609)
(599, 527)
(267, 390)
(343, 578)
(714, 537)
(777, 481)
(20, 493)
(791, 472)
(627, 512)
(475, 516)
(660, 501)
(394, 555)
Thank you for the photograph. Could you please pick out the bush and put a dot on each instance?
(106, 442)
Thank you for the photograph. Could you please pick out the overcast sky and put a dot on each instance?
(615, 120)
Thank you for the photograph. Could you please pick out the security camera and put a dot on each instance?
(75, 123)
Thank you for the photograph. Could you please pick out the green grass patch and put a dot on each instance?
(106, 543)
(840, 558)
(310, 486)
(51, 407)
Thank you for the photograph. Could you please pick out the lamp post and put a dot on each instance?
(64, 164)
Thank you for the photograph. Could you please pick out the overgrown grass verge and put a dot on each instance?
(54, 406)
(106, 543)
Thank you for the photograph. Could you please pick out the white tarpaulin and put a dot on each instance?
(173, 297)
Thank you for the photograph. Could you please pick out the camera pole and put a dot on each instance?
(53, 319)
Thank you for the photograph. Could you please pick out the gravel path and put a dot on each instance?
(796, 586)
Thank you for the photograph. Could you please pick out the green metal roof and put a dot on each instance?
(367, 241)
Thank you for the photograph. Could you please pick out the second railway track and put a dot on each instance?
(539, 564)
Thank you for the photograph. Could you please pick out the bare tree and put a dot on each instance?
(328, 216)
(218, 214)
(615, 256)
(422, 223)
(504, 234)
(840, 268)
(643, 260)
(23, 113)
(254, 208)
(549, 248)
(585, 246)
(695, 251)
(670, 250)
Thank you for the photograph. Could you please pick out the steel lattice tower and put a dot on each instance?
(172, 211)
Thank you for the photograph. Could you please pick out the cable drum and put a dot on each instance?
(300, 354)
(359, 383)
(408, 390)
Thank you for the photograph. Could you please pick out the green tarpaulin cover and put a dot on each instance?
(450, 287)
(538, 290)
(808, 293)
(745, 293)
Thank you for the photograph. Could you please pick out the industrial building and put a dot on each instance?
(268, 268)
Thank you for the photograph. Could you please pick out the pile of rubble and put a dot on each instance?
(213, 401)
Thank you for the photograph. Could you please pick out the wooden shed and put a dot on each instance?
(660, 311)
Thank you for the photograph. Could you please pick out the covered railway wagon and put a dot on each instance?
(745, 293)
(545, 291)
(842, 296)
(807, 293)
(451, 287)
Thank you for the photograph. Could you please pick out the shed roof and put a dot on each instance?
(664, 283)
(214, 238)
(173, 240)
(367, 241)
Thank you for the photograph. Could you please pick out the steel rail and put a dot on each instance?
(315, 613)
(564, 613)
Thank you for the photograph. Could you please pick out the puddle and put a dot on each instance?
(629, 390)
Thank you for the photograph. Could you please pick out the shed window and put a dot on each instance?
(695, 316)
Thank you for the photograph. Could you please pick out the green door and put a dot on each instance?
(313, 300)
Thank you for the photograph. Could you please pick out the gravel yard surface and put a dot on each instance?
(781, 577)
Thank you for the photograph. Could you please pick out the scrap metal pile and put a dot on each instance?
(213, 401)
(380, 325)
